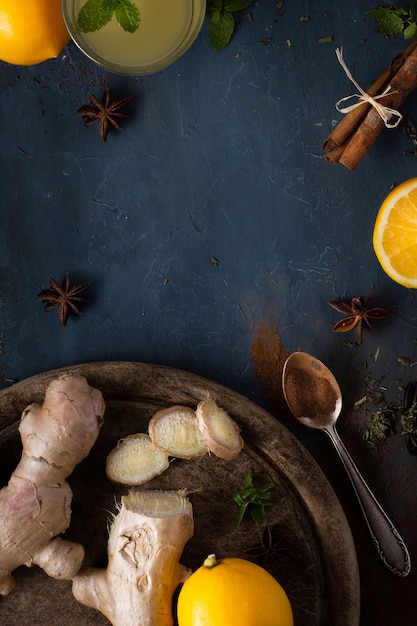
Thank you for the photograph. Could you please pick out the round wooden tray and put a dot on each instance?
(313, 553)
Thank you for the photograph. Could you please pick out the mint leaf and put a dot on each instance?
(413, 11)
(109, 5)
(236, 5)
(258, 512)
(388, 21)
(215, 16)
(97, 13)
(222, 24)
(221, 31)
(391, 24)
(128, 16)
(214, 7)
(411, 31)
(91, 17)
(253, 499)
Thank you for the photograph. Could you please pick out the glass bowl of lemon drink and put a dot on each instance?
(133, 36)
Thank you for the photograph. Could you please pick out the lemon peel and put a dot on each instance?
(31, 31)
(395, 234)
(233, 590)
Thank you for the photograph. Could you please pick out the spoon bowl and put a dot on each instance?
(315, 399)
(324, 411)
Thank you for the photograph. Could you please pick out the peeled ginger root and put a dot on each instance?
(35, 506)
(146, 541)
(179, 432)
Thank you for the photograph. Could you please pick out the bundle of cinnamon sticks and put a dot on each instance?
(355, 134)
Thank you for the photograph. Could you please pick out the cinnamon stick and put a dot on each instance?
(402, 84)
(352, 120)
(333, 156)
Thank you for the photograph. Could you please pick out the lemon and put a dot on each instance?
(395, 234)
(232, 591)
(31, 31)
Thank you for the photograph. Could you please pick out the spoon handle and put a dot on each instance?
(388, 542)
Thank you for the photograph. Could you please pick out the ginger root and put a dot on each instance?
(220, 431)
(177, 431)
(146, 540)
(135, 461)
(35, 506)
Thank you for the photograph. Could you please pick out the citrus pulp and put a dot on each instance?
(395, 234)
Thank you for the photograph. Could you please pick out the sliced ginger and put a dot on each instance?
(179, 432)
(175, 431)
(135, 461)
(220, 431)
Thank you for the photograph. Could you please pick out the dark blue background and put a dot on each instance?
(220, 159)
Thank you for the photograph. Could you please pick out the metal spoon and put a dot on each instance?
(388, 542)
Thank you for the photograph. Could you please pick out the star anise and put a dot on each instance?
(358, 312)
(104, 113)
(64, 296)
(267, 547)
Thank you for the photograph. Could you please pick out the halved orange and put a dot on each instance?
(395, 234)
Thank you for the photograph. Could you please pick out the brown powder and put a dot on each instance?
(269, 355)
(309, 395)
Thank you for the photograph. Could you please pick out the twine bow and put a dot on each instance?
(386, 113)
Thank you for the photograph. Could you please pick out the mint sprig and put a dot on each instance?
(254, 500)
(392, 20)
(222, 23)
(95, 14)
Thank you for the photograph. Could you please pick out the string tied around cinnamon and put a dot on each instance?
(386, 113)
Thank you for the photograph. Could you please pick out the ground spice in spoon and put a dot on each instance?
(309, 395)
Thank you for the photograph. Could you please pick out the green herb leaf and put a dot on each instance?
(392, 20)
(91, 17)
(215, 16)
(410, 31)
(390, 24)
(95, 14)
(128, 16)
(236, 5)
(381, 426)
(222, 24)
(109, 5)
(221, 31)
(258, 513)
(413, 11)
(256, 500)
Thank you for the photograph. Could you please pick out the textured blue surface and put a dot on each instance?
(221, 160)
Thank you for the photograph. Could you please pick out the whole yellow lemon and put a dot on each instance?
(31, 31)
(232, 591)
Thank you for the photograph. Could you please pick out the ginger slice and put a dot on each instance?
(158, 502)
(220, 431)
(146, 541)
(175, 431)
(135, 461)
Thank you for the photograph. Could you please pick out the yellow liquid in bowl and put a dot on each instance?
(166, 30)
